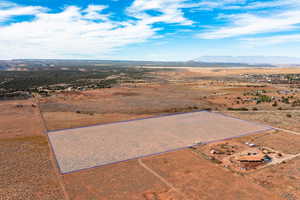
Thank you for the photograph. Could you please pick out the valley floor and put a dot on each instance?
(258, 166)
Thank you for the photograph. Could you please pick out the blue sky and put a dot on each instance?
(176, 30)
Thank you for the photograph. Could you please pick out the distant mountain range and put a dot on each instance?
(46, 64)
(204, 61)
(3, 68)
(251, 60)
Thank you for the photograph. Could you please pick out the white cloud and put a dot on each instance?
(261, 41)
(277, 16)
(249, 24)
(171, 11)
(6, 4)
(271, 4)
(77, 32)
(221, 4)
(93, 12)
(244, 4)
(8, 10)
(92, 33)
(81, 33)
(69, 33)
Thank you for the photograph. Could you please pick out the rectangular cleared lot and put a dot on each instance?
(86, 147)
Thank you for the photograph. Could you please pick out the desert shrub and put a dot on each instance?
(238, 109)
(274, 104)
(296, 103)
(285, 100)
(192, 107)
(263, 98)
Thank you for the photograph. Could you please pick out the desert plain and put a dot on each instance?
(264, 165)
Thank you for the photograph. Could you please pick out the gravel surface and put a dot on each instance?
(82, 148)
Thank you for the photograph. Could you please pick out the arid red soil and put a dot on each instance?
(123, 181)
(176, 175)
(185, 90)
(19, 119)
(27, 171)
(198, 178)
(283, 179)
(117, 104)
(278, 119)
(30, 172)
(278, 140)
(72, 119)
